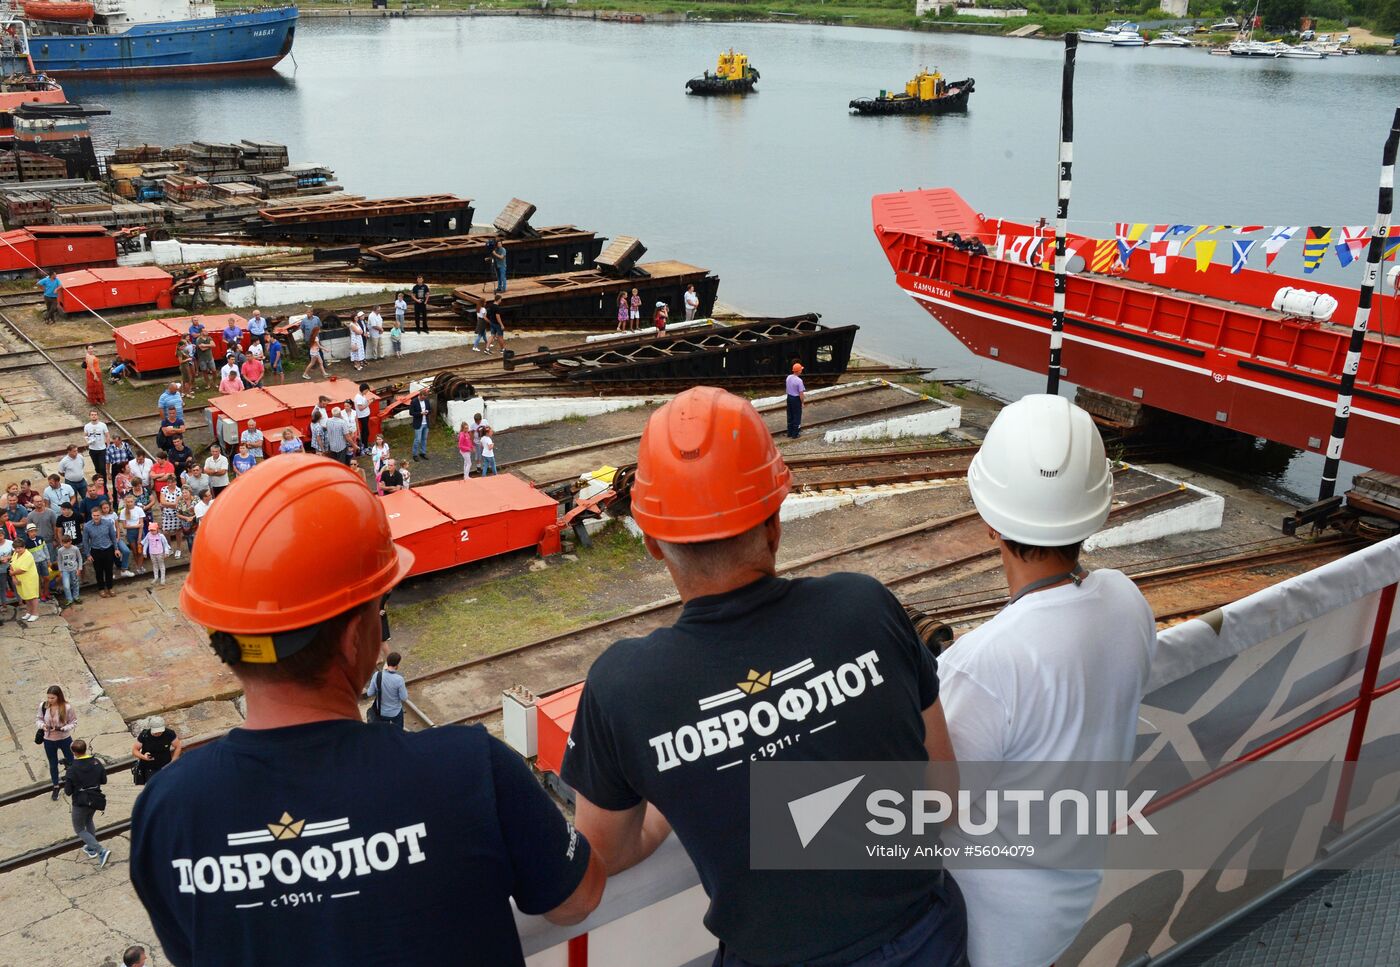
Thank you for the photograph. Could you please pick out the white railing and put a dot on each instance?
(650, 917)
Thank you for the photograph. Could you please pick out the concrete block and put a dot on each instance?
(939, 418)
(1205, 513)
(509, 414)
(287, 293)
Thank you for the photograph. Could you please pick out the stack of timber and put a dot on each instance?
(18, 165)
(712, 355)
(530, 251)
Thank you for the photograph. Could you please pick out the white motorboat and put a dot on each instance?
(1169, 40)
(1301, 52)
(1122, 39)
(1256, 48)
(1095, 37)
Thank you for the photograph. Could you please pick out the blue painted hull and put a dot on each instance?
(236, 42)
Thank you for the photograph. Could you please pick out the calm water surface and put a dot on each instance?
(591, 123)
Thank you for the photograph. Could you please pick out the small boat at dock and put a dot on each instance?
(1124, 39)
(733, 75)
(927, 93)
(1300, 52)
(1169, 40)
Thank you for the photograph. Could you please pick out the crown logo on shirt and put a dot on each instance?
(286, 828)
(755, 682)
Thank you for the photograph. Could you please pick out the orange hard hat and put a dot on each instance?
(797, 367)
(706, 469)
(295, 541)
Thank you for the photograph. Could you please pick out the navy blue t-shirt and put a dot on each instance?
(825, 669)
(349, 844)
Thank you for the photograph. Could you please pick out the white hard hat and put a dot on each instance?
(1042, 477)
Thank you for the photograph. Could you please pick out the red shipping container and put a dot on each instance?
(494, 515)
(300, 399)
(421, 528)
(113, 288)
(214, 325)
(239, 408)
(556, 720)
(58, 246)
(149, 346)
(18, 251)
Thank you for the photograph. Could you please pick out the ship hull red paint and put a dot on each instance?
(231, 67)
(1238, 366)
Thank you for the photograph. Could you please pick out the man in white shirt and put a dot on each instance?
(692, 302)
(217, 469)
(1056, 676)
(139, 467)
(374, 334)
(362, 411)
(74, 470)
(230, 368)
(96, 432)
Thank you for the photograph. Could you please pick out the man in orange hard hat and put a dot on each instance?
(663, 738)
(796, 396)
(306, 836)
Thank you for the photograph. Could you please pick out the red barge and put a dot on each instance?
(1204, 345)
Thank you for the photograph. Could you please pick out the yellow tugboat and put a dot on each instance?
(927, 93)
(734, 75)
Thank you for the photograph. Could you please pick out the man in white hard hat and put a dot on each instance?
(1058, 675)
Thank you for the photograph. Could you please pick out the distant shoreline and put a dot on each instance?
(986, 29)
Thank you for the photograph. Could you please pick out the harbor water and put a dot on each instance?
(589, 120)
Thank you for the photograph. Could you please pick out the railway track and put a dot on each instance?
(477, 683)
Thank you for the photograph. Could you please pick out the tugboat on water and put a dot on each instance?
(133, 38)
(927, 93)
(733, 75)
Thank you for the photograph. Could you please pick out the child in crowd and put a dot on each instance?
(70, 561)
(622, 311)
(396, 336)
(400, 307)
(188, 520)
(465, 448)
(488, 451)
(156, 546)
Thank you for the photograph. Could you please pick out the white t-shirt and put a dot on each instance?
(1056, 677)
(488, 446)
(361, 407)
(692, 299)
(217, 469)
(140, 468)
(376, 324)
(132, 516)
(201, 508)
(96, 433)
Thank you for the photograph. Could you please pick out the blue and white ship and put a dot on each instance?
(135, 38)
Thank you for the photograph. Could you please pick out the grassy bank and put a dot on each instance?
(897, 14)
